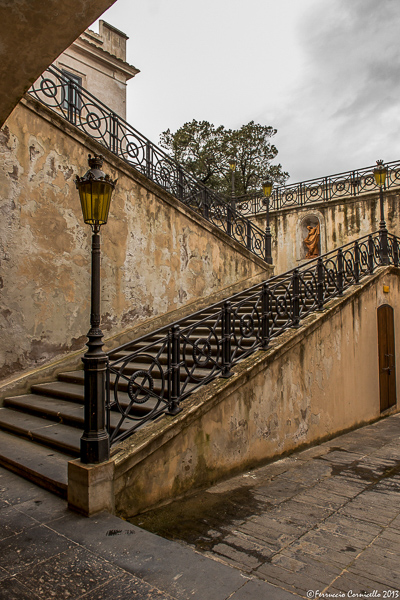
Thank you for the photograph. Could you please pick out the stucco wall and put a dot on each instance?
(312, 383)
(341, 222)
(156, 254)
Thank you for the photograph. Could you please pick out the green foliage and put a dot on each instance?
(205, 150)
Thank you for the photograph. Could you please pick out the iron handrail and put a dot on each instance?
(81, 108)
(154, 373)
(321, 189)
(232, 298)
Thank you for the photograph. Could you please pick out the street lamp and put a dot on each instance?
(95, 189)
(267, 189)
(380, 172)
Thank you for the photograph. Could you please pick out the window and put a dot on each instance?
(72, 98)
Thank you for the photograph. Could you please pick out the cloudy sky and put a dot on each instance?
(325, 74)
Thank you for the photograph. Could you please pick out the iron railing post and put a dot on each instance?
(113, 133)
(175, 376)
(326, 192)
(320, 283)
(226, 339)
(340, 272)
(278, 198)
(296, 298)
(180, 184)
(356, 262)
(228, 220)
(206, 206)
(371, 252)
(248, 235)
(265, 310)
(356, 181)
(108, 400)
(395, 251)
(149, 161)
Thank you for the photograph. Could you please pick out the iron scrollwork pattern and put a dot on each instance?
(90, 115)
(323, 189)
(152, 375)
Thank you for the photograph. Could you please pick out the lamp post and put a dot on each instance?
(95, 189)
(231, 209)
(380, 177)
(267, 189)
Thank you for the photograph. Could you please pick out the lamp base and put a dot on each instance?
(95, 447)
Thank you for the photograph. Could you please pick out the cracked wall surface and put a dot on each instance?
(156, 254)
(341, 221)
(312, 383)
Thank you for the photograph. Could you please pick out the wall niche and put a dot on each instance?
(310, 229)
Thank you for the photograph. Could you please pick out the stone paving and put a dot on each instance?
(325, 520)
(322, 521)
(48, 552)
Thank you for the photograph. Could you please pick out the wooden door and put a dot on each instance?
(386, 351)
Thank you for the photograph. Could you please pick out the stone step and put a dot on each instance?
(54, 409)
(74, 392)
(59, 389)
(52, 415)
(129, 369)
(43, 466)
(64, 438)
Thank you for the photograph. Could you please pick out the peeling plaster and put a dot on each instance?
(154, 257)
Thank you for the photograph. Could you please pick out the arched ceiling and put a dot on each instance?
(32, 34)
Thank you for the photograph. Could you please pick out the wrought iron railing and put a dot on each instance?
(323, 189)
(90, 115)
(153, 374)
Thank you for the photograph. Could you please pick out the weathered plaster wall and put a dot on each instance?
(156, 254)
(312, 383)
(341, 222)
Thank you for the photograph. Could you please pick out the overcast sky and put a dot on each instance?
(325, 74)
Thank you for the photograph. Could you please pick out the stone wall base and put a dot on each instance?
(311, 384)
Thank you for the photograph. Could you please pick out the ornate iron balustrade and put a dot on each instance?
(152, 375)
(323, 189)
(90, 115)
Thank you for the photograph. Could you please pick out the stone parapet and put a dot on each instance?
(310, 385)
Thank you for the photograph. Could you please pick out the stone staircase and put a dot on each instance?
(40, 431)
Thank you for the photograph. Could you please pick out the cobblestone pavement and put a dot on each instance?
(323, 520)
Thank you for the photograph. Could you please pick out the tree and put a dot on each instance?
(205, 150)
